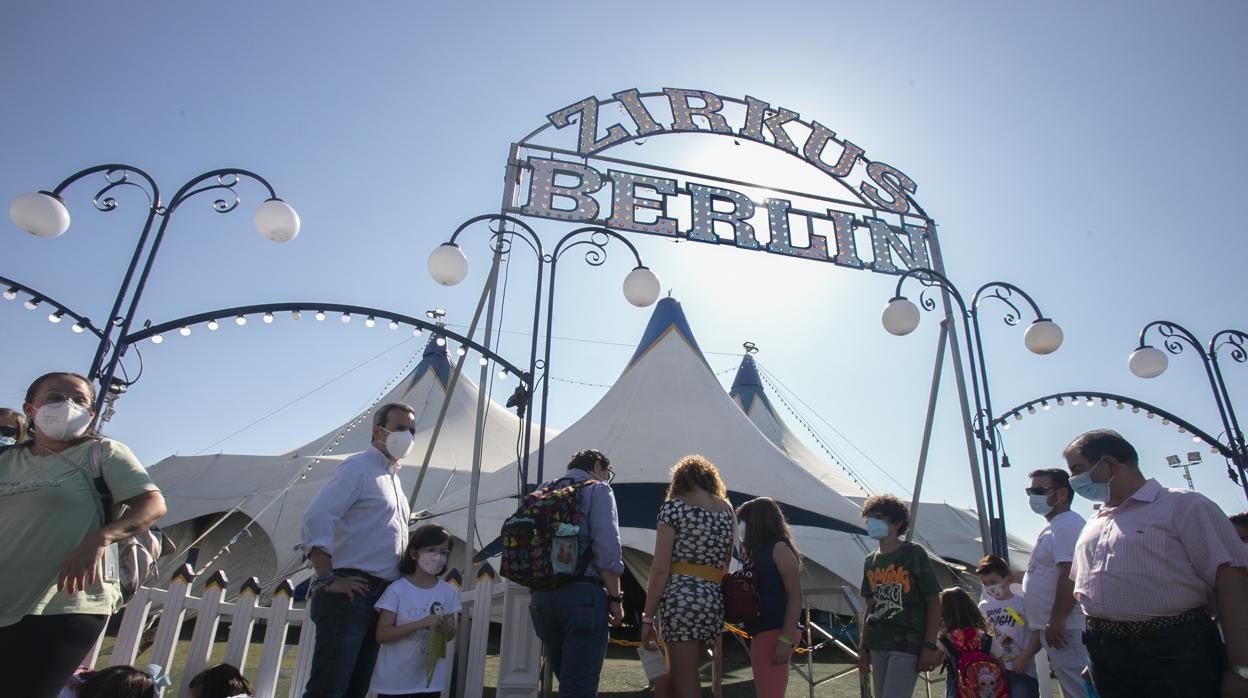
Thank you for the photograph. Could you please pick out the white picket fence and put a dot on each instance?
(244, 613)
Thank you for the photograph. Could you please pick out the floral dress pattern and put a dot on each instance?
(692, 608)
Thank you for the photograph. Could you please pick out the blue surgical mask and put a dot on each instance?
(1040, 504)
(1088, 489)
(877, 528)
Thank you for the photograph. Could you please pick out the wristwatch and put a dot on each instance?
(615, 599)
(1240, 670)
(324, 579)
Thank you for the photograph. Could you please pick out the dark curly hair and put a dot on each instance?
(220, 681)
(695, 471)
(889, 508)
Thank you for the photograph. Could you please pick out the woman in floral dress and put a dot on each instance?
(692, 549)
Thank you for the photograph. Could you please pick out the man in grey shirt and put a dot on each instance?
(573, 621)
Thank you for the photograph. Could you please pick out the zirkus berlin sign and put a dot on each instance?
(870, 202)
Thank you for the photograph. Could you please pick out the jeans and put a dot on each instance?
(1177, 662)
(1022, 685)
(346, 643)
(571, 622)
(894, 674)
(1068, 663)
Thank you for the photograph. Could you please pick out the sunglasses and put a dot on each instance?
(1039, 490)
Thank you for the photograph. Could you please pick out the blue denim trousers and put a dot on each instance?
(571, 622)
(346, 643)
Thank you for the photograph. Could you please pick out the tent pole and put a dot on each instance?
(959, 373)
(927, 428)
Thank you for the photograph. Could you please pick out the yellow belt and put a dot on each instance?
(714, 575)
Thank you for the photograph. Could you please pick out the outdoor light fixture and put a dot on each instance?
(240, 320)
(1148, 362)
(78, 328)
(56, 317)
(268, 318)
(40, 213)
(441, 341)
(10, 293)
(213, 324)
(901, 316)
(370, 321)
(31, 303)
(394, 324)
(320, 315)
(461, 351)
(447, 264)
(1043, 337)
(416, 331)
(184, 331)
(483, 361)
(346, 317)
(276, 220)
(157, 339)
(641, 287)
(295, 315)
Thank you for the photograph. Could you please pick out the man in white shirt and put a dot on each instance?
(1048, 591)
(355, 532)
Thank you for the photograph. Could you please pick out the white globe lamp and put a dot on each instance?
(641, 287)
(900, 316)
(447, 264)
(1043, 337)
(1148, 362)
(40, 213)
(276, 220)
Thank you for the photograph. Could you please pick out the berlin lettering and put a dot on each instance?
(657, 205)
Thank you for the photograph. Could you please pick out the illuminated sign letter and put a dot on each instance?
(782, 240)
(894, 182)
(818, 140)
(683, 112)
(543, 190)
(588, 109)
(705, 215)
(625, 202)
(885, 239)
(631, 100)
(756, 110)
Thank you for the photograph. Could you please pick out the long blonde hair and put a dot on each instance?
(695, 471)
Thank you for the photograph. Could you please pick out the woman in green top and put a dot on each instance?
(903, 603)
(58, 589)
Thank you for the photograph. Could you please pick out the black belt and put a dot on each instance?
(373, 580)
(597, 581)
(1134, 628)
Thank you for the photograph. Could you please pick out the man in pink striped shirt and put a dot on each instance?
(1149, 568)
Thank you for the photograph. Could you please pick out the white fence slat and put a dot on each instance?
(519, 657)
(242, 624)
(170, 624)
(303, 658)
(211, 609)
(474, 672)
(279, 613)
(133, 620)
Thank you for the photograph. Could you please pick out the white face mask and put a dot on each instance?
(63, 421)
(399, 443)
(996, 591)
(432, 563)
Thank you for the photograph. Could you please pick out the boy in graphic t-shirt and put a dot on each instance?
(1006, 613)
(898, 637)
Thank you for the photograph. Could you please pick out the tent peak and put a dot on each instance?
(667, 315)
(747, 384)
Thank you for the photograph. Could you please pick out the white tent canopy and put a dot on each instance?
(199, 489)
(665, 405)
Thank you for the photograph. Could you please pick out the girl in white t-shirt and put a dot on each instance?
(418, 618)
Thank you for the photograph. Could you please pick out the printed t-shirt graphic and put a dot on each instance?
(898, 584)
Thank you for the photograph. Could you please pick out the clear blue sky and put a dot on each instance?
(1087, 152)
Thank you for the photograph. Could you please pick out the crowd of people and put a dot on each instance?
(1148, 597)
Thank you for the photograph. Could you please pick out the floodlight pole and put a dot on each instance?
(1173, 338)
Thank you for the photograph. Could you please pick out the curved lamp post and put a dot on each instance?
(44, 214)
(448, 266)
(1148, 361)
(1043, 336)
